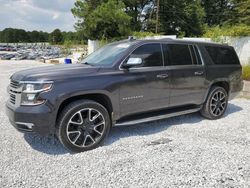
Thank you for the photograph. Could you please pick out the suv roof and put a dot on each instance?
(179, 41)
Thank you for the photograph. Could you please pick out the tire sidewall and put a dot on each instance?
(62, 134)
(213, 91)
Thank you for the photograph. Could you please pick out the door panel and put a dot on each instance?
(187, 74)
(144, 89)
(187, 85)
(145, 86)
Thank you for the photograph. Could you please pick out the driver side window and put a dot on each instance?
(150, 54)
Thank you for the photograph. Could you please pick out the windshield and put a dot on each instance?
(106, 55)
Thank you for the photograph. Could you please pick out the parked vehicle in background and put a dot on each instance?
(7, 56)
(30, 52)
(1, 55)
(124, 83)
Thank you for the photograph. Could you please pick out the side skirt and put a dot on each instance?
(157, 116)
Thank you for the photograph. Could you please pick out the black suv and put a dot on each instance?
(124, 83)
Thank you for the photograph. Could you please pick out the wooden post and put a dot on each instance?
(157, 16)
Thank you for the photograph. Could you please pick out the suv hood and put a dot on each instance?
(56, 72)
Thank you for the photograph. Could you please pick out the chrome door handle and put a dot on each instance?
(162, 76)
(199, 73)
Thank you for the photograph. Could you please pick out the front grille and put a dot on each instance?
(15, 90)
(14, 84)
(12, 98)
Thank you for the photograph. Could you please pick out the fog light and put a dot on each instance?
(25, 126)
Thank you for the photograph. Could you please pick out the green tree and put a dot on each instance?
(34, 36)
(56, 37)
(138, 11)
(11, 35)
(80, 37)
(195, 19)
(44, 36)
(178, 17)
(8, 35)
(218, 12)
(101, 19)
(22, 36)
(227, 30)
(242, 12)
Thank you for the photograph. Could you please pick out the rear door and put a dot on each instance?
(145, 87)
(188, 84)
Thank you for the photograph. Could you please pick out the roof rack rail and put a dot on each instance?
(158, 38)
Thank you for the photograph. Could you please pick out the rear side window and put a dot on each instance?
(222, 55)
(193, 55)
(197, 55)
(150, 54)
(177, 54)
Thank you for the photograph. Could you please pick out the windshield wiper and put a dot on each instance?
(86, 63)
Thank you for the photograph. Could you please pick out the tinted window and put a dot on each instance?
(197, 55)
(194, 58)
(179, 54)
(222, 55)
(166, 55)
(150, 54)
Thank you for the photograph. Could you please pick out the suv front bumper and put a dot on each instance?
(37, 119)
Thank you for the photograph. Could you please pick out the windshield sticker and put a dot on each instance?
(123, 45)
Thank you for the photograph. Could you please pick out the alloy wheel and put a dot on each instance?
(85, 127)
(218, 103)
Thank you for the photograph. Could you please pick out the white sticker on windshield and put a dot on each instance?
(123, 45)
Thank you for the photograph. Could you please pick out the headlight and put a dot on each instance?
(31, 91)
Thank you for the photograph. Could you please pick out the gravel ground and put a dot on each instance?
(185, 151)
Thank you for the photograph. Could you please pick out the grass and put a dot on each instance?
(246, 72)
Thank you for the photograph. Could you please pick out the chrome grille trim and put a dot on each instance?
(15, 91)
(14, 84)
(12, 98)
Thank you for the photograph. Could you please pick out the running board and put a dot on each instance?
(159, 117)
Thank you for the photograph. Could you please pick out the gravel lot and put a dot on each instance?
(185, 151)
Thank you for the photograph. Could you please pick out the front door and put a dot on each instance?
(145, 87)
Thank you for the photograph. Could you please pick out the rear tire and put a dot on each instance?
(216, 103)
(83, 125)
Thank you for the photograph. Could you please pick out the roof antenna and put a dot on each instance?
(131, 38)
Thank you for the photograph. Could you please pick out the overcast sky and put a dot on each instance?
(45, 15)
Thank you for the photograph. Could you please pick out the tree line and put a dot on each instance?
(107, 19)
(12, 35)
(117, 19)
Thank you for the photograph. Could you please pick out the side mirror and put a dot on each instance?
(132, 62)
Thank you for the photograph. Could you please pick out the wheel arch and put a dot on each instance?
(101, 98)
(221, 83)
(205, 111)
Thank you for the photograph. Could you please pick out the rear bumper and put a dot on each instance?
(236, 89)
(36, 119)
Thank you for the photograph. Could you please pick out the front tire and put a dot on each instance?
(216, 103)
(83, 125)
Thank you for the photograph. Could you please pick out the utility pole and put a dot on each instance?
(157, 16)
